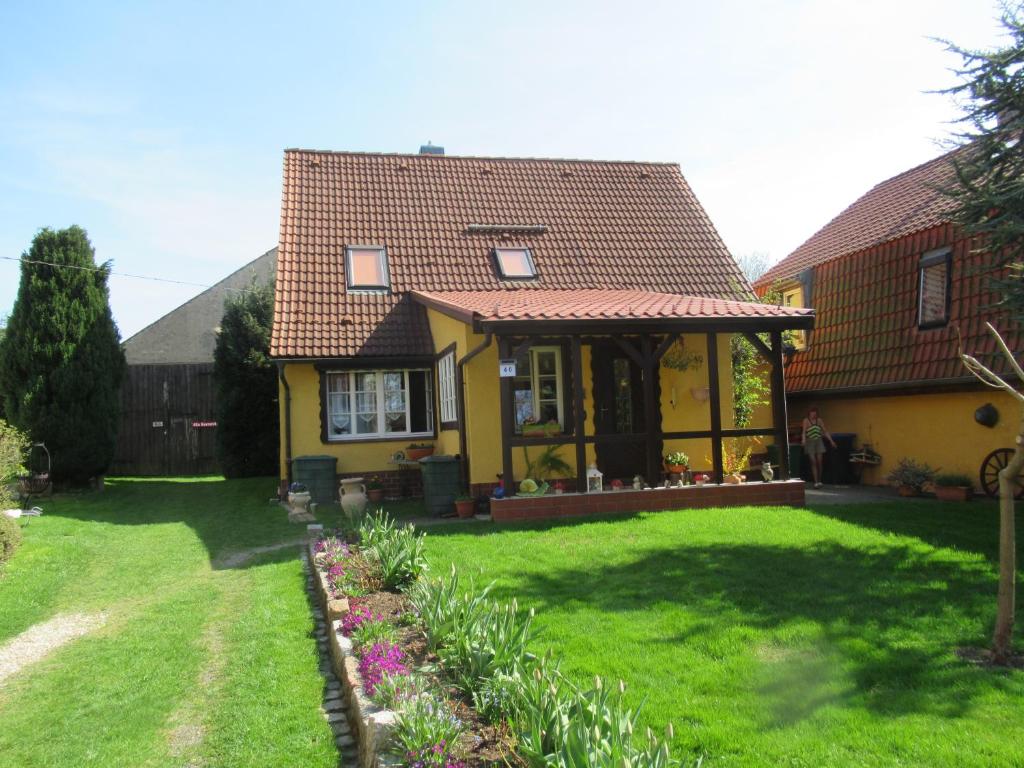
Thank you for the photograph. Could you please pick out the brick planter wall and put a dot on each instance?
(788, 493)
(397, 483)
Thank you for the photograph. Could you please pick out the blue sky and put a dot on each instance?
(159, 127)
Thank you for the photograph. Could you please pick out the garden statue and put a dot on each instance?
(767, 473)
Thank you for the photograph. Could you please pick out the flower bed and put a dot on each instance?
(438, 675)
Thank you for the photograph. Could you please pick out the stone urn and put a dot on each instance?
(353, 497)
(298, 507)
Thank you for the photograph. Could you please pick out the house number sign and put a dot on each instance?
(507, 369)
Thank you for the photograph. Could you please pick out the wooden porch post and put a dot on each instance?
(652, 424)
(779, 415)
(507, 421)
(716, 406)
(578, 416)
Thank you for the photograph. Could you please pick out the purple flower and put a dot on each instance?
(382, 660)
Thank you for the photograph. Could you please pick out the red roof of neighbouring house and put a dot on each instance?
(908, 203)
(596, 304)
(606, 225)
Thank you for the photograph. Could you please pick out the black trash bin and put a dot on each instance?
(836, 467)
(440, 484)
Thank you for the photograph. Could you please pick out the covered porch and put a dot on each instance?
(597, 374)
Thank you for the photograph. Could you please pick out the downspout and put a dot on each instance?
(463, 450)
(287, 419)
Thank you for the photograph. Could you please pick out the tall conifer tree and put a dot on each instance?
(61, 362)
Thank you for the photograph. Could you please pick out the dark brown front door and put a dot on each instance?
(619, 411)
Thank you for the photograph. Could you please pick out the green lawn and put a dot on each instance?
(775, 636)
(197, 664)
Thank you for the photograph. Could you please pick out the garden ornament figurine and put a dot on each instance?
(767, 473)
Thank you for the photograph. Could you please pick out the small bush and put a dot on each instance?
(370, 633)
(10, 537)
(399, 552)
(910, 472)
(13, 445)
(953, 480)
(427, 731)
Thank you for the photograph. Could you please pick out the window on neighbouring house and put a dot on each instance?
(446, 389)
(368, 404)
(515, 263)
(366, 267)
(933, 288)
(537, 387)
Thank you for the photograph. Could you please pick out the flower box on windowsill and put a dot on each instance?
(541, 430)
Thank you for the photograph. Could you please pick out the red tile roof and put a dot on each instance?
(908, 203)
(597, 304)
(866, 333)
(606, 225)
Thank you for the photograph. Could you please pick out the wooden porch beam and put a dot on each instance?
(630, 350)
(507, 420)
(652, 410)
(667, 342)
(715, 402)
(767, 353)
(578, 416)
(779, 406)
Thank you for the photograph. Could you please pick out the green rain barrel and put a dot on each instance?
(796, 457)
(319, 474)
(440, 483)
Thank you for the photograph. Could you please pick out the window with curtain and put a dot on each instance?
(378, 404)
(933, 288)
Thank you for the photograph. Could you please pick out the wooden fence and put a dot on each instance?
(168, 421)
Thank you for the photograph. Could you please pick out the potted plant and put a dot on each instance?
(910, 477)
(676, 462)
(417, 451)
(375, 490)
(465, 505)
(733, 463)
(953, 487)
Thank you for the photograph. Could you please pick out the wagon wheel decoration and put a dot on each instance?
(989, 475)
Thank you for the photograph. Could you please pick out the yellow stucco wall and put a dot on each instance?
(681, 410)
(938, 429)
(356, 456)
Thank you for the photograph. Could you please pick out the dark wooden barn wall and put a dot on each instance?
(160, 408)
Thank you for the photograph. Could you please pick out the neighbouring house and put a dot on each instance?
(896, 289)
(168, 399)
(496, 306)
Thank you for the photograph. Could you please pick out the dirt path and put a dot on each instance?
(242, 556)
(36, 642)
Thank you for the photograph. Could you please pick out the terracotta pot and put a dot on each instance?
(415, 454)
(676, 469)
(465, 507)
(375, 495)
(732, 479)
(907, 490)
(954, 493)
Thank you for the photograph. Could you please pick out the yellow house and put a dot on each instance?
(493, 308)
(896, 289)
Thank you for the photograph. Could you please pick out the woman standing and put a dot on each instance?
(814, 436)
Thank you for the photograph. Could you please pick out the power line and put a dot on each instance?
(118, 274)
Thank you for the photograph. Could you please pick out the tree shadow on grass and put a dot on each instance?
(886, 619)
(970, 527)
(228, 516)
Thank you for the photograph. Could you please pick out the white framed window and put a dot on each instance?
(366, 268)
(446, 389)
(362, 405)
(515, 263)
(537, 387)
(933, 288)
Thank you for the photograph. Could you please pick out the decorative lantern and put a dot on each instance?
(595, 479)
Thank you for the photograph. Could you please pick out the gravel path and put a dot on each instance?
(37, 641)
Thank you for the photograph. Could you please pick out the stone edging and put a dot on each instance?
(371, 726)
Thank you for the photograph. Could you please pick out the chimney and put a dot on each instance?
(430, 149)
